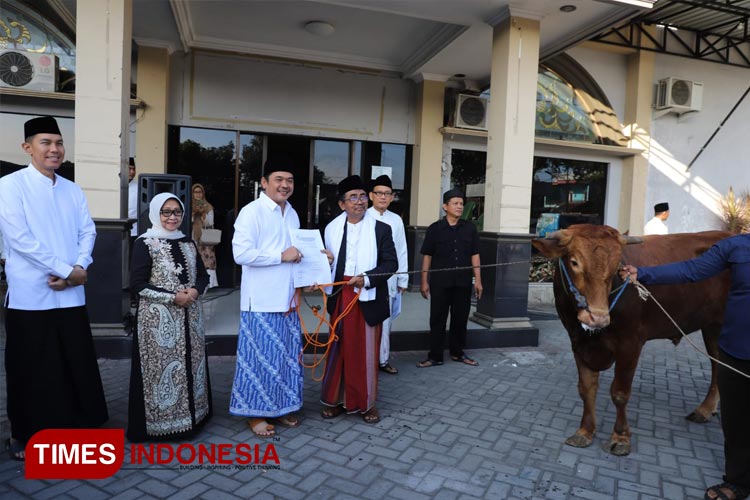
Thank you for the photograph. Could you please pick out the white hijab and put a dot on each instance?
(157, 229)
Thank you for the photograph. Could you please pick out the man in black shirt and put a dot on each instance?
(450, 242)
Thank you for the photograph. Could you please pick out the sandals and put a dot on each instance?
(261, 427)
(718, 489)
(387, 368)
(289, 420)
(428, 362)
(330, 412)
(465, 360)
(372, 416)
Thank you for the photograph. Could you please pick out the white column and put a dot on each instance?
(512, 112)
(151, 129)
(103, 47)
(427, 155)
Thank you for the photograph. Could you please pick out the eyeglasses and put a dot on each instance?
(383, 194)
(170, 213)
(354, 198)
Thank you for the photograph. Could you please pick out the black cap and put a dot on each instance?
(661, 207)
(382, 180)
(278, 163)
(453, 193)
(131, 161)
(41, 125)
(349, 184)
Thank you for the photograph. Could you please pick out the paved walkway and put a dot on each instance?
(454, 431)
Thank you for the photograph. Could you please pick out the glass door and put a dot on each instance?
(330, 165)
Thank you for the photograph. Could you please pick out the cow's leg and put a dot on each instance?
(588, 384)
(707, 408)
(625, 366)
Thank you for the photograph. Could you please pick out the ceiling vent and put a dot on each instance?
(679, 95)
(471, 112)
(28, 70)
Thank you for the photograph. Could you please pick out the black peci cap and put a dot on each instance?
(382, 180)
(661, 207)
(41, 125)
(453, 193)
(350, 184)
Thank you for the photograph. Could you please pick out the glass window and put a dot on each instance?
(23, 29)
(251, 166)
(468, 173)
(574, 189)
(208, 157)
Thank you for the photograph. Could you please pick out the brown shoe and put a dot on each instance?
(387, 368)
(372, 416)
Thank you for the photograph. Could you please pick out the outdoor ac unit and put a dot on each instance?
(679, 95)
(471, 112)
(28, 70)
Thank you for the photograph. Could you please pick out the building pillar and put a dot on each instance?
(638, 97)
(427, 156)
(512, 113)
(102, 111)
(103, 46)
(505, 244)
(151, 128)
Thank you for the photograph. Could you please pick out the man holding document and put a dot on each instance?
(268, 381)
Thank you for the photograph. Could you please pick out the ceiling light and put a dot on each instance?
(320, 28)
(568, 8)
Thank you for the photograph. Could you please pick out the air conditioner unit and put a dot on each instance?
(679, 95)
(471, 112)
(28, 70)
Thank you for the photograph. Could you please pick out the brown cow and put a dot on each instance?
(592, 256)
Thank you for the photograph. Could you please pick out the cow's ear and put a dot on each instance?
(549, 247)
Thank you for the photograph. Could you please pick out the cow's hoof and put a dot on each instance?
(698, 418)
(618, 448)
(579, 441)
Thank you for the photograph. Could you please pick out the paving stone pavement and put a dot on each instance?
(454, 431)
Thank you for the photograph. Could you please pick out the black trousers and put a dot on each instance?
(52, 375)
(455, 300)
(734, 391)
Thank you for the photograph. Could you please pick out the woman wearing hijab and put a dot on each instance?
(203, 217)
(170, 391)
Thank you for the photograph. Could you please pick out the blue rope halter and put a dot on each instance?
(581, 302)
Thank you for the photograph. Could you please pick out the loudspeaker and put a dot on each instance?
(149, 185)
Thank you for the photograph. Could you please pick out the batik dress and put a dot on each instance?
(170, 391)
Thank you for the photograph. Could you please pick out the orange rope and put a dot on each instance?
(311, 339)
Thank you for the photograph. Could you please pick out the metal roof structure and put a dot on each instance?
(710, 30)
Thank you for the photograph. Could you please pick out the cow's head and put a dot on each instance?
(591, 255)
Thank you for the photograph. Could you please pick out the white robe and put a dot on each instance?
(47, 230)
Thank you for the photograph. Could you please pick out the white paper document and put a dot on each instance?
(313, 268)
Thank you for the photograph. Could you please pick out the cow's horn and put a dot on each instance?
(632, 240)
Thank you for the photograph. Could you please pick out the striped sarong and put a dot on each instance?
(268, 378)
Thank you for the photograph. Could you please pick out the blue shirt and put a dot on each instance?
(731, 253)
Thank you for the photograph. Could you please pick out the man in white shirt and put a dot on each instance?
(268, 380)
(52, 375)
(132, 197)
(381, 196)
(657, 224)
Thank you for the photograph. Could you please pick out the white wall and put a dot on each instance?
(609, 70)
(693, 195)
(237, 92)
